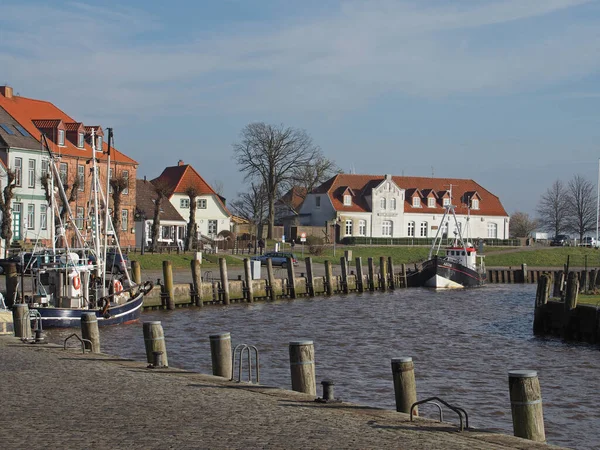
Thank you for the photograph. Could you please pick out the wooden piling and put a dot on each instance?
(248, 278)
(310, 280)
(371, 266)
(136, 272)
(571, 298)
(404, 276)
(405, 387)
(328, 278)
(220, 352)
(382, 274)
(169, 291)
(541, 298)
(524, 274)
(271, 278)
(12, 282)
(224, 280)
(21, 321)
(196, 282)
(89, 331)
(360, 280)
(391, 270)
(526, 405)
(344, 267)
(302, 367)
(592, 280)
(559, 277)
(154, 340)
(583, 281)
(291, 278)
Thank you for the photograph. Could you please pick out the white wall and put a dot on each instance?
(213, 211)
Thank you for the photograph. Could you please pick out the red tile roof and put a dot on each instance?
(180, 178)
(73, 126)
(489, 204)
(26, 111)
(293, 198)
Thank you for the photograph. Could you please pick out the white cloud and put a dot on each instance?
(339, 62)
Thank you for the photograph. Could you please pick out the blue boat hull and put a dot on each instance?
(71, 318)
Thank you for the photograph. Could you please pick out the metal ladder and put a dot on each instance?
(456, 409)
(239, 352)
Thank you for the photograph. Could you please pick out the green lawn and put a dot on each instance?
(154, 261)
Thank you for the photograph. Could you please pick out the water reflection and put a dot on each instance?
(463, 344)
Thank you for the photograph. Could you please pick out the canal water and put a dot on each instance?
(463, 343)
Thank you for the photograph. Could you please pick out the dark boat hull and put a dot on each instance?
(440, 273)
(71, 317)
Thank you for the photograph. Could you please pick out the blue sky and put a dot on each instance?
(505, 92)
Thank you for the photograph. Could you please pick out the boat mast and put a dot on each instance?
(107, 215)
(100, 264)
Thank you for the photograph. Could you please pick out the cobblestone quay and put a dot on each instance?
(51, 398)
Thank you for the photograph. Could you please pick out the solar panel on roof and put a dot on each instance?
(22, 130)
(5, 128)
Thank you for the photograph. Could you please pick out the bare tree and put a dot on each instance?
(270, 154)
(71, 198)
(521, 226)
(162, 191)
(218, 187)
(582, 206)
(190, 240)
(6, 210)
(309, 176)
(252, 205)
(553, 209)
(118, 185)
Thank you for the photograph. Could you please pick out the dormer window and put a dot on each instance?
(347, 200)
(474, 204)
(99, 143)
(80, 140)
(416, 202)
(61, 137)
(446, 201)
(431, 202)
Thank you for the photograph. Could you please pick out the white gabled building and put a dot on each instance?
(398, 207)
(212, 216)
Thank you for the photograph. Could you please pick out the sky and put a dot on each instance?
(504, 92)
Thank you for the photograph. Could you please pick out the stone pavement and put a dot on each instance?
(52, 398)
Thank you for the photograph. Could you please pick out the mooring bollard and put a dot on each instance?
(248, 277)
(310, 280)
(371, 265)
(291, 277)
(344, 267)
(559, 278)
(89, 331)
(360, 281)
(224, 280)
(526, 405)
(158, 359)
(154, 340)
(328, 278)
(196, 281)
(220, 352)
(405, 387)
(382, 274)
(302, 367)
(136, 272)
(328, 390)
(271, 278)
(21, 321)
(168, 287)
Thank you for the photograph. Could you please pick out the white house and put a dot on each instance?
(212, 216)
(398, 207)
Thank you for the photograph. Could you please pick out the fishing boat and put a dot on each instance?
(454, 266)
(67, 282)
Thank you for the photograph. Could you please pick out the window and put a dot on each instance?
(362, 227)
(79, 219)
(201, 203)
(81, 176)
(431, 202)
(45, 167)
(44, 217)
(30, 216)
(382, 203)
(348, 228)
(423, 229)
(492, 230)
(80, 140)
(31, 179)
(63, 170)
(5, 128)
(416, 202)
(110, 177)
(393, 204)
(18, 170)
(124, 217)
(212, 227)
(411, 229)
(386, 228)
(125, 175)
(61, 137)
(318, 201)
(184, 203)
(99, 143)
(446, 201)
(347, 200)
(475, 203)
(22, 131)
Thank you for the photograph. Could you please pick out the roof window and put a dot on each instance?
(22, 130)
(5, 128)
(61, 137)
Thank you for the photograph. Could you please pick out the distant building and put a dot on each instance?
(392, 206)
(287, 209)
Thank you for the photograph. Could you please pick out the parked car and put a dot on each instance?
(560, 240)
(277, 258)
(589, 242)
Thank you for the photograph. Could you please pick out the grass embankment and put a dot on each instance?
(153, 261)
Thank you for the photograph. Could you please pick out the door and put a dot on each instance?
(17, 221)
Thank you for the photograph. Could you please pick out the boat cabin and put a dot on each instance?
(467, 256)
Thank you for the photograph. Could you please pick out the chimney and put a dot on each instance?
(6, 91)
(180, 162)
(144, 178)
(388, 176)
